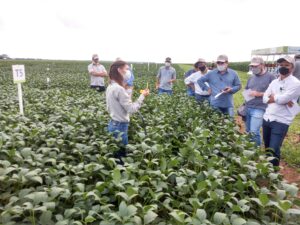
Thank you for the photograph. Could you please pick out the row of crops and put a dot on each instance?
(186, 164)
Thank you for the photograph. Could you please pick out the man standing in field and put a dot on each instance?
(257, 84)
(97, 73)
(166, 76)
(281, 97)
(223, 83)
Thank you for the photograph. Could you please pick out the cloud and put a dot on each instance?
(69, 22)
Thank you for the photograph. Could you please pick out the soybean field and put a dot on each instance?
(186, 163)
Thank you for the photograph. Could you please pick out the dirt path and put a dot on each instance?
(290, 174)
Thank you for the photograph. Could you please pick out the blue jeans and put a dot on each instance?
(190, 92)
(254, 120)
(226, 111)
(163, 91)
(274, 134)
(202, 98)
(119, 129)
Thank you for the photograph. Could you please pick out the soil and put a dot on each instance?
(290, 174)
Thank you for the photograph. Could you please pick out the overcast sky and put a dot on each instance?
(146, 30)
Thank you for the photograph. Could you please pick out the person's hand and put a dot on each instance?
(170, 81)
(227, 90)
(254, 93)
(290, 104)
(209, 91)
(145, 92)
(271, 99)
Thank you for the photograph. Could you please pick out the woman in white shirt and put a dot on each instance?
(119, 104)
(200, 94)
(281, 97)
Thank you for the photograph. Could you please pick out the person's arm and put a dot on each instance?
(99, 74)
(267, 94)
(125, 101)
(92, 72)
(173, 77)
(202, 82)
(289, 95)
(189, 79)
(236, 84)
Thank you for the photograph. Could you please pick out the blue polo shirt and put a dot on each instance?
(218, 82)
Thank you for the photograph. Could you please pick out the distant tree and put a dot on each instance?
(4, 56)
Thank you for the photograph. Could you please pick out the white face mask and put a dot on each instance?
(221, 68)
(167, 64)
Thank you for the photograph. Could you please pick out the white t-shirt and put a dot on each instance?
(95, 80)
(193, 79)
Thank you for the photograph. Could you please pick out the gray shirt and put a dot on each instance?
(259, 83)
(164, 75)
(119, 104)
(296, 71)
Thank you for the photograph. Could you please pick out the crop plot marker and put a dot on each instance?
(19, 78)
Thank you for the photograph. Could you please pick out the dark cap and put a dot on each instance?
(168, 59)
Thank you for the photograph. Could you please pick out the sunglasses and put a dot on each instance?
(220, 63)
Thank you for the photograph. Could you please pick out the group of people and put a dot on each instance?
(270, 102)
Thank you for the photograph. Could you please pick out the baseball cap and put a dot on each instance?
(95, 56)
(201, 60)
(168, 59)
(222, 58)
(256, 61)
(288, 59)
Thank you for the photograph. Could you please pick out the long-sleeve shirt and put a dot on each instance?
(284, 91)
(119, 104)
(218, 82)
(193, 79)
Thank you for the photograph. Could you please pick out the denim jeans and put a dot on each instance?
(274, 134)
(202, 98)
(226, 111)
(190, 92)
(119, 129)
(254, 120)
(163, 91)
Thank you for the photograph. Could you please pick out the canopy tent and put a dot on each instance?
(283, 50)
(274, 54)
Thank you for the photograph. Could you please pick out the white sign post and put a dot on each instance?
(19, 78)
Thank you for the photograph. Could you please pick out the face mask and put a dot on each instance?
(256, 70)
(127, 75)
(202, 68)
(167, 64)
(283, 71)
(221, 68)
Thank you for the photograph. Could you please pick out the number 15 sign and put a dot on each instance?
(18, 73)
